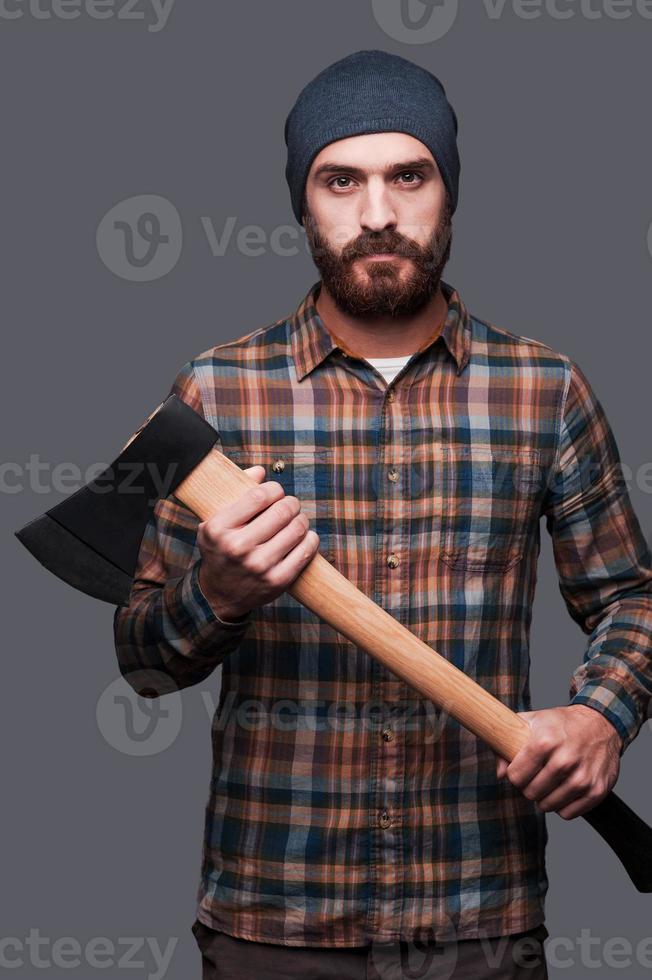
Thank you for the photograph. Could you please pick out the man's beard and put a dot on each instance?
(385, 291)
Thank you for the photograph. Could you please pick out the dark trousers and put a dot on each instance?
(520, 956)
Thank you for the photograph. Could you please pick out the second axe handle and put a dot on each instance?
(218, 481)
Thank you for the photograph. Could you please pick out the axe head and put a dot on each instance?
(92, 538)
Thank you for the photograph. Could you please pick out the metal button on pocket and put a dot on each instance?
(393, 561)
(278, 465)
(385, 820)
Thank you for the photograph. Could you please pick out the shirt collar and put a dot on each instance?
(311, 342)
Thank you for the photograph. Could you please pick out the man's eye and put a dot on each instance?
(333, 182)
(411, 173)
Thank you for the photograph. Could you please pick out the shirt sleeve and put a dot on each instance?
(167, 636)
(604, 563)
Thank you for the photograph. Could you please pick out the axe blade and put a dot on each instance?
(91, 539)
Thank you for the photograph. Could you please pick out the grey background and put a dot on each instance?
(550, 241)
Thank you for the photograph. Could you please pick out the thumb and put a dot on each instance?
(257, 472)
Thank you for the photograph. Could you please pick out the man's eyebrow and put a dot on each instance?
(420, 163)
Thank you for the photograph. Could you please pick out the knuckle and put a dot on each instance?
(515, 778)
(564, 762)
(273, 578)
(546, 742)
(254, 564)
(258, 496)
(599, 786)
(233, 549)
(301, 521)
(582, 784)
(285, 509)
(208, 533)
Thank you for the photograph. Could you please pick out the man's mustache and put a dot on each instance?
(402, 248)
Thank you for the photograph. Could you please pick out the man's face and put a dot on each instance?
(377, 219)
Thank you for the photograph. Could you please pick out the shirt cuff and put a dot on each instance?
(225, 622)
(202, 624)
(608, 696)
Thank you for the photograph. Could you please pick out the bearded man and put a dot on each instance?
(417, 446)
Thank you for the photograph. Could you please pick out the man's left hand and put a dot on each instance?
(570, 761)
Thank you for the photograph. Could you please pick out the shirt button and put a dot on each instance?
(388, 734)
(392, 474)
(278, 465)
(390, 395)
(385, 820)
(392, 560)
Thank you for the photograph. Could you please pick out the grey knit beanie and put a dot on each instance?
(370, 92)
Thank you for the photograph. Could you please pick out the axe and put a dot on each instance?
(92, 539)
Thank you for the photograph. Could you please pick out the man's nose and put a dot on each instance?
(378, 211)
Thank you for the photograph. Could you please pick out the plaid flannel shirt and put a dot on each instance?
(344, 808)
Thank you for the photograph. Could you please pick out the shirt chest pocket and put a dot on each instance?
(489, 500)
(303, 473)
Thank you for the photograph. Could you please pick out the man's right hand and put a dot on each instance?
(254, 548)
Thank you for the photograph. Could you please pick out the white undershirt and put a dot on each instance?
(389, 366)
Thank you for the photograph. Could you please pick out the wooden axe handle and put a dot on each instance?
(218, 481)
